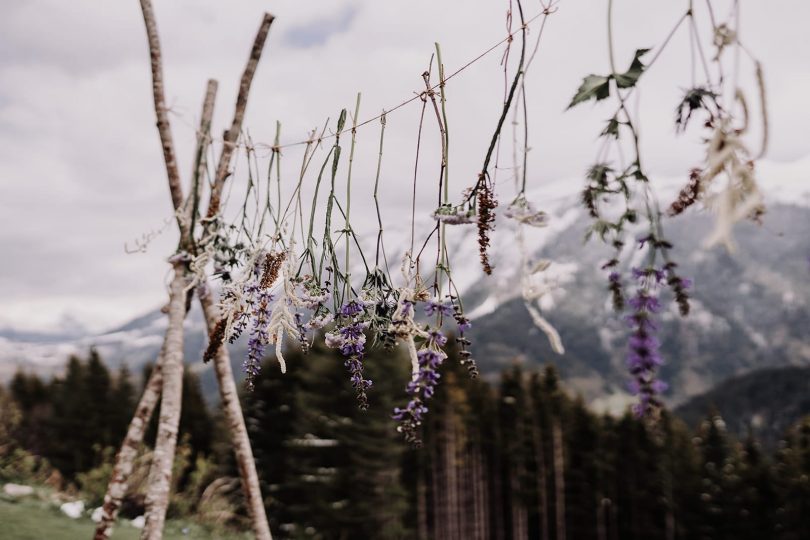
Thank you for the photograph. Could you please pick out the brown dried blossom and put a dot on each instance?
(215, 340)
(272, 266)
(689, 194)
(486, 221)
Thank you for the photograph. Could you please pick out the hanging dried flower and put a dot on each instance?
(454, 215)
(486, 223)
(524, 212)
(421, 387)
(643, 359)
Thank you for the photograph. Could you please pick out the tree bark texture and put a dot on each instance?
(236, 424)
(125, 458)
(158, 93)
(160, 474)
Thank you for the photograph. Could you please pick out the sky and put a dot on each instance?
(81, 169)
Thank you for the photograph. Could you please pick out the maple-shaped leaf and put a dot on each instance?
(630, 77)
(594, 87)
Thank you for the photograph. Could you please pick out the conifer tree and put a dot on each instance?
(70, 448)
(719, 495)
(122, 405)
(758, 497)
(98, 388)
(793, 473)
(344, 477)
(272, 418)
(581, 473)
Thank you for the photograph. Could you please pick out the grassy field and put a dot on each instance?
(31, 519)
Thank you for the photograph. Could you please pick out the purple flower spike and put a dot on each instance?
(643, 358)
(259, 336)
(431, 308)
(349, 337)
(422, 387)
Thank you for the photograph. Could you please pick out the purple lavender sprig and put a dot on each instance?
(259, 335)
(644, 359)
(421, 387)
(464, 324)
(350, 338)
(432, 308)
(679, 287)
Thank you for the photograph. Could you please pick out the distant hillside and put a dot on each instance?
(766, 401)
(750, 310)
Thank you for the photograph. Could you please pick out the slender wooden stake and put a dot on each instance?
(231, 136)
(160, 477)
(200, 162)
(125, 459)
(160, 474)
(164, 128)
(236, 424)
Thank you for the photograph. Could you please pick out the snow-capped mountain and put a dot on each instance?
(750, 309)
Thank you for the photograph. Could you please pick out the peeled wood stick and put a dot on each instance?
(160, 473)
(200, 161)
(247, 468)
(231, 136)
(163, 125)
(236, 424)
(125, 459)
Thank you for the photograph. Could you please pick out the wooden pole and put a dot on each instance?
(169, 368)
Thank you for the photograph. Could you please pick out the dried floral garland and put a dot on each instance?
(271, 288)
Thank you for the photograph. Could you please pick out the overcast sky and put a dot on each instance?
(81, 171)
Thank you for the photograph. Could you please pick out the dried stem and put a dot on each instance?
(163, 125)
(203, 140)
(236, 425)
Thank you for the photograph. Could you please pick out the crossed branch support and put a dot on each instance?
(166, 379)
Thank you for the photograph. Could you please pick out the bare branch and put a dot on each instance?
(231, 136)
(192, 204)
(125, 459)
(236, 425)
(160, 473)
(164, 128)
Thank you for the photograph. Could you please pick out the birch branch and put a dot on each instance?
(160, 474)
(198, 173)
(163, 125)
(236, 425)
(125, 459)
(231, 136)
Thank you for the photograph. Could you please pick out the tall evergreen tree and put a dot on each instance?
(793, 474)
(97, 398)
(720, 495)
(121, 406)
(71, 445)
(582, 473)
(343, 478)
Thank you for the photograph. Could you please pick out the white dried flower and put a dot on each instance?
(524, 212)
